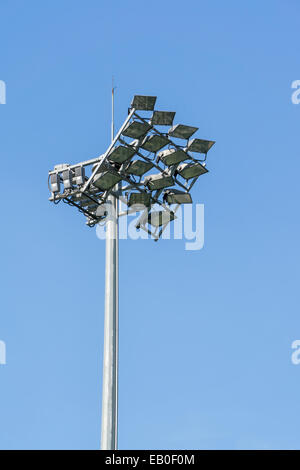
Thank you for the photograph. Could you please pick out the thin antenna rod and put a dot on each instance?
(112, 110)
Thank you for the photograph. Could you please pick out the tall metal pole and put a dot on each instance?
(109, 428)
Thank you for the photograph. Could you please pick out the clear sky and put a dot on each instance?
(205, 336)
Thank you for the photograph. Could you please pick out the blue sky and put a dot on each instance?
(205, 336)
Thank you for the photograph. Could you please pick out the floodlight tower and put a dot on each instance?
(115, 176)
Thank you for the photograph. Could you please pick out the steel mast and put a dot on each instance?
(109, 428)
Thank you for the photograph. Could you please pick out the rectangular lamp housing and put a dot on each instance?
(174, 196)
(200, 145)
(67, 178)
(106, 180)
(180, 131)
(158, 181)
(172, 156)
(144, 103)
(136, 129)
(55, 183)
(159, 218)
(79, 176)
(162, 118)
(154, 142)
(191, 170)
(121, 154)
(138, 167)
(139, 199)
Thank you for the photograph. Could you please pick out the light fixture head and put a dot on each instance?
(174, 196)
(136, 129)
(67, 178)
(191, 170)
(139, 200)
(121, 154)
(55, 183)
(144, 103)
(172, 156)
(181, 131)
(138, 167)
(158, 181)
(159, 218)
(79, 175)
(200, 145)
(162, 118)
(154, 142)
(106, 180)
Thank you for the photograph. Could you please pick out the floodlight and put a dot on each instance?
(106, 180)
(154, 142)
(79, 177)
(55, 183)
(136, 129)
(162, 118)
(158, 181)
(138, 167)
(159, 218)
(172, 156)
(139, 199)
(67, 178)
(102, 167)
(174, 196)
(144, 103)
(200, 145)
(121, 153)
(191, 170)
(182, 132)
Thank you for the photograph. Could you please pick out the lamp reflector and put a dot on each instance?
(182, 132)
(144, 103)
(67, 178)
(55, 183)
(154, 142)
(162, 118)
(159, 218)
(174, 196)
(158, 181)
(172, 156)
(79, 177)
(121, 154)
(191, 170)
(139, 199)
(106, 180)
(138, 167)
(200, 145)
